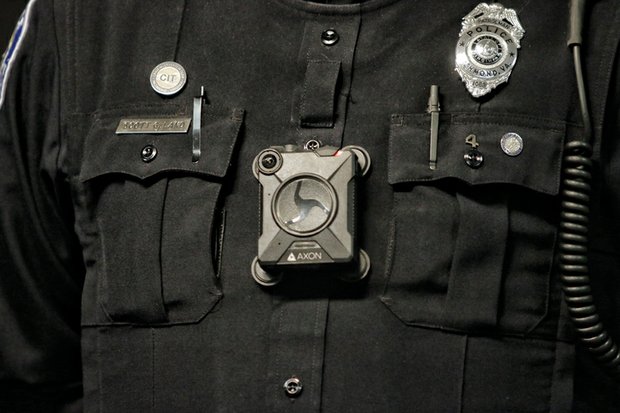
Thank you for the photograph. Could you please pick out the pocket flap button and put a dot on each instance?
(149, 152)
(329, 37)
(474, 159)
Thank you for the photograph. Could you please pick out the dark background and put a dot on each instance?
(10, 10)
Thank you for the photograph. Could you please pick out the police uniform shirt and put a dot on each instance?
(126, 264)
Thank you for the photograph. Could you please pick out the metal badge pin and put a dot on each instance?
(486, 51)
(512, 144)
(168, 78)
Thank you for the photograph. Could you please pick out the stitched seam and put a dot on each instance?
(73, 56)
(302, 106)
(178, 30)
(408, 179)
(314, 351)
(160, 257)
(389, 263)
(153, 369)
(277, 355)
(99, 372)
(463, 373)
(59, 75)
(466, 118)
(330, 102)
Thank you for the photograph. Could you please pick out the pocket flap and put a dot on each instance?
(105, 152)
(536, 167)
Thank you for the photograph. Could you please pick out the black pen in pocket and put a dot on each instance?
(433, 109)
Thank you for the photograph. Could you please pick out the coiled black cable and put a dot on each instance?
(573, 255)
(574, 222)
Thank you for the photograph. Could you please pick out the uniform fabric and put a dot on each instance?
(126, 285)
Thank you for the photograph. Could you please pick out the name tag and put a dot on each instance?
(154, 125)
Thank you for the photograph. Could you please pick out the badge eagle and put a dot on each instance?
(486, 51)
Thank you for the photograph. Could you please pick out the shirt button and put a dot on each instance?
(329, 37)
(293, 387)
(474, 159)
(149, 152)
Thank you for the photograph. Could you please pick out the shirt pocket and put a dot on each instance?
(155, 211)
(473, 247)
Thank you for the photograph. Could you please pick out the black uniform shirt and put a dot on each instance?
(143, 260)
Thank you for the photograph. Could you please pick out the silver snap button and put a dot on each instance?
(293, 387)
(312, 145)
(474, 159)
(512, 144)
(168, 78)
(330, 37)
(149, 152)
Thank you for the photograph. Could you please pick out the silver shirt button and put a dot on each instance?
(293, 387)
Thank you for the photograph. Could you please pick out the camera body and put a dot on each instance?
(307, 210)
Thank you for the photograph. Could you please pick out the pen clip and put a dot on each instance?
(196, 125)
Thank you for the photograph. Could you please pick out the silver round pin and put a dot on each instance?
(512, 144)
(168, 78)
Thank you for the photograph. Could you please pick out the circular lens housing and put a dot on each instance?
(304, 205)
(269, 161)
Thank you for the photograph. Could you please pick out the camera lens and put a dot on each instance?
(269, 161)
(304, 205)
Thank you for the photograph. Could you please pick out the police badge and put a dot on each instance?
(487, 48)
